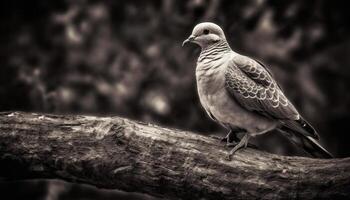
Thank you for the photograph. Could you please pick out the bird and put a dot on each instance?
(241, 94)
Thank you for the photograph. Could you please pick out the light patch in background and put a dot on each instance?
(157, 102)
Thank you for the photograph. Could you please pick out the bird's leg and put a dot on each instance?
(242, 144)
(231, 138)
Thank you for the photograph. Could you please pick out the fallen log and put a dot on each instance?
(118, 153)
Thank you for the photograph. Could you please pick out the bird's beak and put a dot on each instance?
(189, 39)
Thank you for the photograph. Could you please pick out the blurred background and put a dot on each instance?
(125, 58)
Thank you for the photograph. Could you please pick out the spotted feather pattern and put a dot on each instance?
(255, 89)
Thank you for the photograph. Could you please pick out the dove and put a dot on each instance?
(241, 94)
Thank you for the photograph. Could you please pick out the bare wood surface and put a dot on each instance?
(113, 152)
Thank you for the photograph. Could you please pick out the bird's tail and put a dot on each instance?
(308, 143)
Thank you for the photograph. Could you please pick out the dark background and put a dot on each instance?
(125, 58)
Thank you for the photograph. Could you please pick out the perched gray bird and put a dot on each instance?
(240, 93)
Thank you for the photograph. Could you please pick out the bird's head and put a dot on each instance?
(205, 34)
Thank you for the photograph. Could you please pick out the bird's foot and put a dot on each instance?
(218, 138)
(242, 144)
(231, 144)
(223, 139)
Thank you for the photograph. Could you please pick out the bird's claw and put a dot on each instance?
(231, 144)
(217, 137)
(223, 139)
(228, 157)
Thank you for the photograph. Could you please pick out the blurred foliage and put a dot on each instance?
(125, 58)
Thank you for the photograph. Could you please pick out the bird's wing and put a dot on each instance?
(254, 88)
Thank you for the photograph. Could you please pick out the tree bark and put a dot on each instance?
(114, 152)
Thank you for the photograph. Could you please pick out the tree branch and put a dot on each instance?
(113, 152)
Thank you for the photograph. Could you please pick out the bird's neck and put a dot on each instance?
(214, 50)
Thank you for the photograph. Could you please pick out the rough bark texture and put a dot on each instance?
(113, 152)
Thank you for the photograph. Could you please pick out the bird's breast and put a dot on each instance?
(210, 75)
(210, 83)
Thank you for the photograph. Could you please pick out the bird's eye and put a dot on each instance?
(206, 32)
